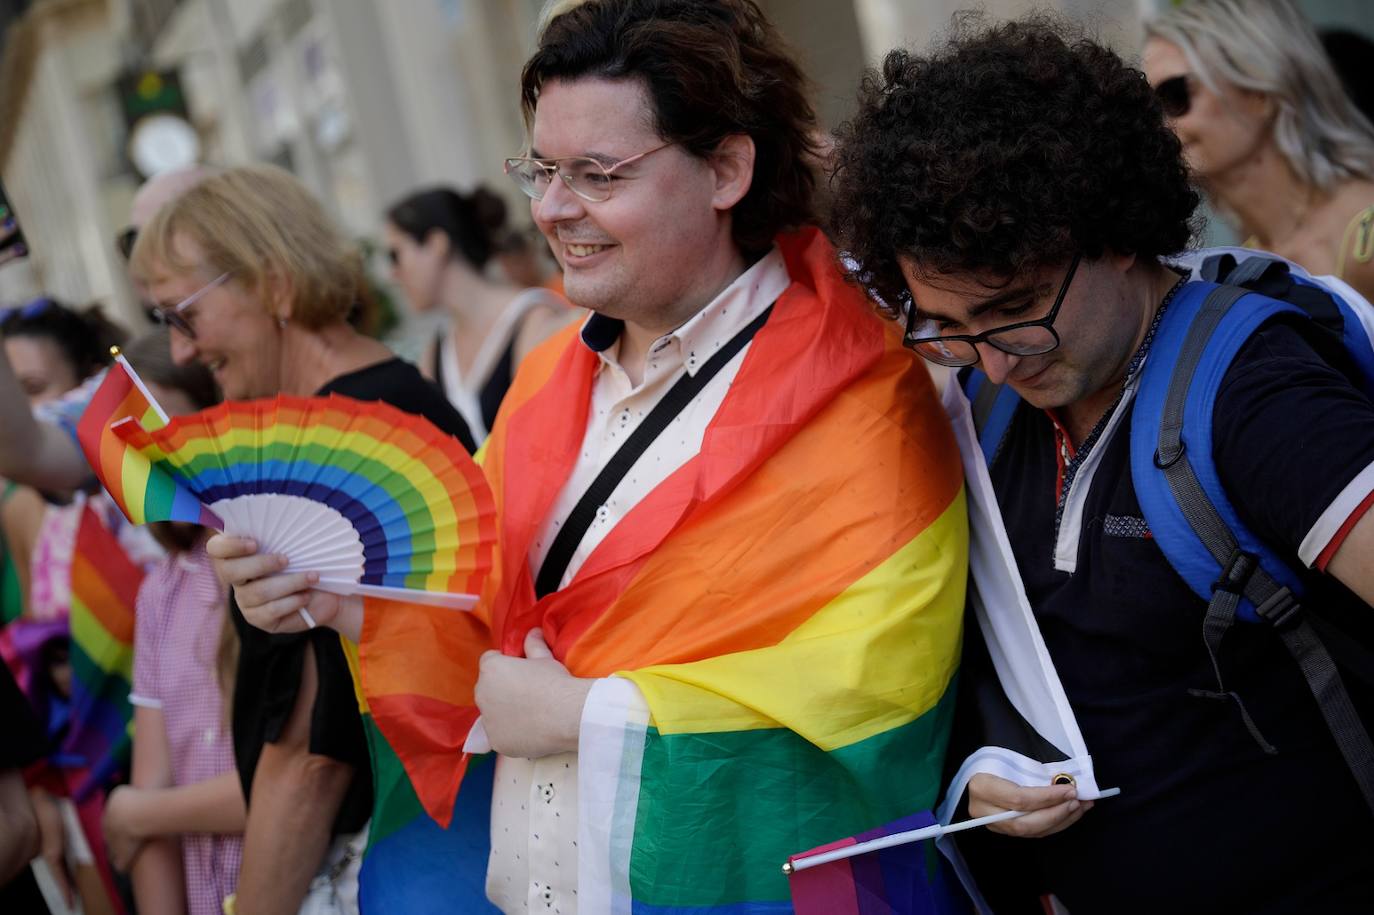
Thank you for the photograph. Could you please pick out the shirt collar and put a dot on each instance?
(709, 329)
(1138, 359)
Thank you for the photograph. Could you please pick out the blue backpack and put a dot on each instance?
(1196, 526)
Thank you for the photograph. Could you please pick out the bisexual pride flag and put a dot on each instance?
(899, 880)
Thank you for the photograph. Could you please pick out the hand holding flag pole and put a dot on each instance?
(804, 861)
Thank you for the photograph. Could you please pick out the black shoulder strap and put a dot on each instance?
(438, 351)
(664, 412)
(1242, 573)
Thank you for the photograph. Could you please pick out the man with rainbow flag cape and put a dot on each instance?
(743, 642)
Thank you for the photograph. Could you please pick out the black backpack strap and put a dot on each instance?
(1242, 574)
(1221, 615)
(683, 392)
(1249, 271)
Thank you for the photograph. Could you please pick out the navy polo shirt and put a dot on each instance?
(1206, 821)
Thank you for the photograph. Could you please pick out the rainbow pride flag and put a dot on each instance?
(141, 491)
(788, 606)
(412, 864)
(104, 589)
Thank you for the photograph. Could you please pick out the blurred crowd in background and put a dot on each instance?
(379, 130)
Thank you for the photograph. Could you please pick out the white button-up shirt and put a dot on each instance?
(533, 865)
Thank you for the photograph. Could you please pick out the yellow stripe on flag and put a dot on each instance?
(133, 477)
(878, 656)
(350, 650)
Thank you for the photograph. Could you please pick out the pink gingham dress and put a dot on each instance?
(180, 612)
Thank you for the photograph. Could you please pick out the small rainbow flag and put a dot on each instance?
(104, 588)
(143, 492)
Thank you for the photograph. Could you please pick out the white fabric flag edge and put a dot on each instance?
(1013, 638)
(610, 751)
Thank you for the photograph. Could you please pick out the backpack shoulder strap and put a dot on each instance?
(1194, 522)
(1175, 477)
(993, 407)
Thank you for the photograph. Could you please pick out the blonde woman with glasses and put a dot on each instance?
(257, 285)
(1268, 131)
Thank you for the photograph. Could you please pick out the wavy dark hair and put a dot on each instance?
(1011, 148)
(475, 223)
(713, 68)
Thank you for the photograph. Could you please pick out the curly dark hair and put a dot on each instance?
(713, 68)
(83, 337)
(1009, 149)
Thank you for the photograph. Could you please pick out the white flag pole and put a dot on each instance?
(905, 838)
(897, 838)
(138, 383)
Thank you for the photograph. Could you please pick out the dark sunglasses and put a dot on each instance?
(25, 312)
(1174, 96)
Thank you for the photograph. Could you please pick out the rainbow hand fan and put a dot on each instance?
(377, 501)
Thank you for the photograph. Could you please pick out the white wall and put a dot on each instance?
(55, 176)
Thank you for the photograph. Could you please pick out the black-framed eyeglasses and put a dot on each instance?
(1026, 338)
(1175, 95)
(125, 239)
(175, 317)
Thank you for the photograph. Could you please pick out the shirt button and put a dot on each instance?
(209, 735)
(546, 792)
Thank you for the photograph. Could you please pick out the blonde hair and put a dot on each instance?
(1269, 47)
(258, 223)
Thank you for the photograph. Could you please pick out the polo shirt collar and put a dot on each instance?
(698, 338)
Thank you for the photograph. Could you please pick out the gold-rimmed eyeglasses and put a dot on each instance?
(586, 177)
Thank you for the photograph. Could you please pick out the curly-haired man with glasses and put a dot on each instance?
(1014, 196)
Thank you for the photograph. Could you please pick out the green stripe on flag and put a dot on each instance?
(159, 496)
(395, 805)
(720, 812)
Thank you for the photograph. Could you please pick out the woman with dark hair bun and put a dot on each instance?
(441, 244)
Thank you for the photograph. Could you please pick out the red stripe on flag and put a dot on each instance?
(438, 773)
(115, 398)
(104, 579)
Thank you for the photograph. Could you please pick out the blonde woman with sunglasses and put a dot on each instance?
(1268, 131)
